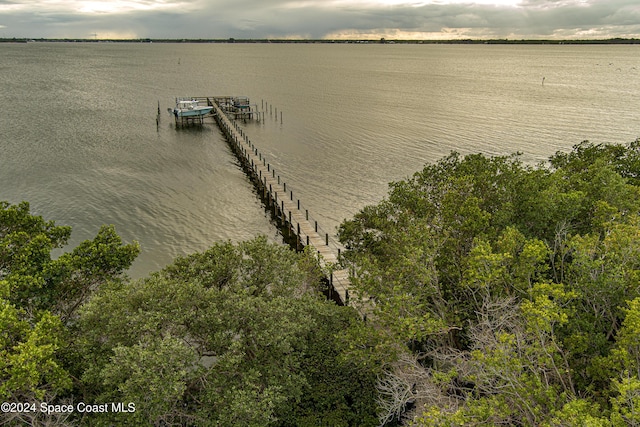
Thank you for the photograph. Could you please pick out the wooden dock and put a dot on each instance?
(301, 229)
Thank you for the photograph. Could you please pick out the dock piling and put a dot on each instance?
(285, 210)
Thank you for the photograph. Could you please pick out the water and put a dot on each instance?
(79, 140)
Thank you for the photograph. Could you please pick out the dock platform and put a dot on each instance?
(301, 227)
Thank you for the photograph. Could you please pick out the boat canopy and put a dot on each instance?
(187, 104)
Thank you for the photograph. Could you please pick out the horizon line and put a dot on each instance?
(381, 40)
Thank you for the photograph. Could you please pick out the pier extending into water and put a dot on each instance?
(299, 227)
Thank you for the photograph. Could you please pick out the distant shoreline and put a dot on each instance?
(323, 41)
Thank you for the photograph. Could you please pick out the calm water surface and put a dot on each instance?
(79, 139)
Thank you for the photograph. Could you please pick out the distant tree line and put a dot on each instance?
(329, 41)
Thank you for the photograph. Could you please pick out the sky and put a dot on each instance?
(321, 19)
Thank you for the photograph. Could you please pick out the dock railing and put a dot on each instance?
(289, 209)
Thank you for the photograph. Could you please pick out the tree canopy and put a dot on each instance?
(39, 298)
(504, 293)
(495, 293)
(235, 335)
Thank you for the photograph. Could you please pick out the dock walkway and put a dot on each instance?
(301, 226)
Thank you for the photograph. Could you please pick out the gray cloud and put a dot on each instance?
(320, 19)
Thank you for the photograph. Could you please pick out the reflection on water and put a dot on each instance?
(81, 143)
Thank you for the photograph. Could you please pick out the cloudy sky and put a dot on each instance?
(321, 19)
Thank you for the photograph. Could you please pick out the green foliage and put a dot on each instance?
(29, 366)
(523, 274)
(495, 294)
(33, 310)
(338, 392)
(72, 278)
(26, 242)
(236, 335)
(624, 411)
(579, 413)
(152, 374)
